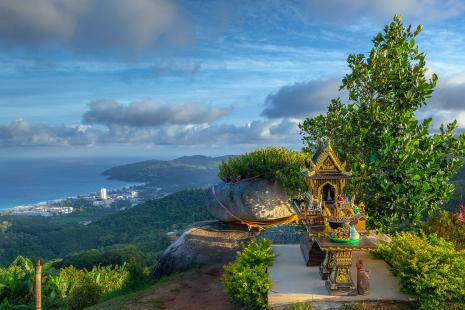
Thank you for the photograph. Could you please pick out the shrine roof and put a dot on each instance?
(326, 174)
(320, 152)
(325, 162)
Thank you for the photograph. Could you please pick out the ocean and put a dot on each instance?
(28, 181)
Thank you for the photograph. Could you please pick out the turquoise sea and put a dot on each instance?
(27, 181)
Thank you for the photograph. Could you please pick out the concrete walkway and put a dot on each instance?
(293, 282)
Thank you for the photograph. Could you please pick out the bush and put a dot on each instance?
(429, 267)
(112, 256)
(58, 286)
(443, 225)
(137, 276)
(108, 278)
(85, 294)
(275, 163)
(16, 283)
(246, 280)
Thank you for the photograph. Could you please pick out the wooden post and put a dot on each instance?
(38, 285)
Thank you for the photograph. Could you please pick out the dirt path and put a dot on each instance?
(198, 290)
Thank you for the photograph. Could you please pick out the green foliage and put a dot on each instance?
(428, 267)
(16, 283)
(138, 275)
(171, 175)
(84, 294)
(274, 163)
(399, 169)
(443, 225)
(257, 252)
(246, 280)
(117, 255)
(144, 226)
(78, 286)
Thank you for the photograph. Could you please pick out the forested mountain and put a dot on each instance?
(144, 226)
(171, 175)
(459, 195)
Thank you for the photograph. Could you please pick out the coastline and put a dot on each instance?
(58, 200)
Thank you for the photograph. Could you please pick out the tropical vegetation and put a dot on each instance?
(246, 280)
(143, 227)
(69, 286)
(400, 169)
(443, 224)
(428, 267)
(274, 163)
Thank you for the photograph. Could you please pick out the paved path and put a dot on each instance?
(293, 282)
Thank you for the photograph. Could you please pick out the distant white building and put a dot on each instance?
(134, 194)
(103, 193)
(98, 203)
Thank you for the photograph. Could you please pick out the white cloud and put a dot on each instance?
(149, 113)
(301, 100)
(93, 25)
(350, 10)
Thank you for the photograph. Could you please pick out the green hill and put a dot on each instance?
(171, 175)
(144, 226)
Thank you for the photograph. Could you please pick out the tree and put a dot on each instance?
(400, 170)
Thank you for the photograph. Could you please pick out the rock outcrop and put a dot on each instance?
(249, 200)
(202, 243)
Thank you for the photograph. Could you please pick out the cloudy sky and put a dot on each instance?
(167, 78)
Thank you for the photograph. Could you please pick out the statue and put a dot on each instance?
(363, 283)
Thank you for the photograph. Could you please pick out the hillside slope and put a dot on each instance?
(184, 172)
(179, 291)
(144, 226)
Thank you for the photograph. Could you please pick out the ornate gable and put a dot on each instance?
(325, 159)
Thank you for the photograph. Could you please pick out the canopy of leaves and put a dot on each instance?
(400, 170)
(274, 163)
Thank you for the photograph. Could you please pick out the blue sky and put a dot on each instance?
(159, 78)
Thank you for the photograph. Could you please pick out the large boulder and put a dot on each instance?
(249, 200)
(202, 243)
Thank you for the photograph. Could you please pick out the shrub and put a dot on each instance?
(137, 276)
(108, 278)
(246, 280)
(275, 163)
(85, 294)
(443, 225)
(112, 256)
(429, 267)
(17, 284)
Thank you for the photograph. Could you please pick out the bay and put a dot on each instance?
(26, 181)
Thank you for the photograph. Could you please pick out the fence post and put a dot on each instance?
(38, 285)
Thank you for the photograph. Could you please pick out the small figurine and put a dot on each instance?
(354, 235)
(327, 228)
(363, 283)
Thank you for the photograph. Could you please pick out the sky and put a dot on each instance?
(163, 78)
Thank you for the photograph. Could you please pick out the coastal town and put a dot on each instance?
(121, 199)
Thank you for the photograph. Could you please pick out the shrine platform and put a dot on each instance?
(294, 283)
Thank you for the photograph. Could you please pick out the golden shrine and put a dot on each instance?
(335, 224)
(325, 200)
